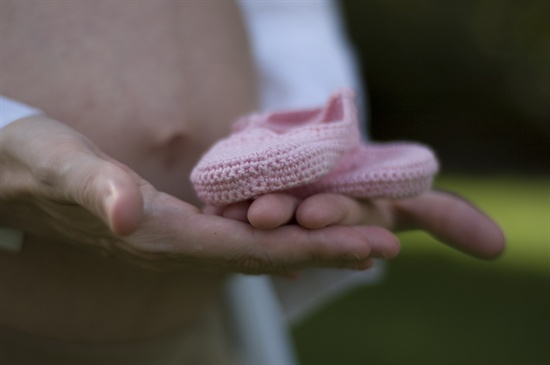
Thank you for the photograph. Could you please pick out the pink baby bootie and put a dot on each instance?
(277, 151)
(384, 170)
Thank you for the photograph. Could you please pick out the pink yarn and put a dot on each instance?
(305, 152)
(391, 170)
(277, 151)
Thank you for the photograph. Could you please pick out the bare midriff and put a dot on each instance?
(153, 84)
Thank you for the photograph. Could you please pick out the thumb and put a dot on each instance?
(108, 190)
(65, 165)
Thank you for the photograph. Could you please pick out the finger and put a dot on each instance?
(383, 243)
(272, 210)
(288, 248)
(323, 210)
(212, 210)
(67, 167)
(452, 220)
(362, 265)
(105, 189)
(237, 211)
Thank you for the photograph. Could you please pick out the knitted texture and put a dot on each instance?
(391, 170)
(277, 151)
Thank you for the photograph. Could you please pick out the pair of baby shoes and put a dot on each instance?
(306, 152)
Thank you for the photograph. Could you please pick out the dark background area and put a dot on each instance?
(471, 78)
(467, 315)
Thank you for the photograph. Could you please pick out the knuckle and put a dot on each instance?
(91, 182)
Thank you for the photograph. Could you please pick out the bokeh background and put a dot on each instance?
(471, 78)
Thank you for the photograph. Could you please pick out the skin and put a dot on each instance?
(117, 246)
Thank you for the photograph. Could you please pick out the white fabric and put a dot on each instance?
(259, 334)
(301, 52)
(11, 110)
(317, 287)
(302, 56)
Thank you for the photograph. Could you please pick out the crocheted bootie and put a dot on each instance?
(385, 170)
(277, 151)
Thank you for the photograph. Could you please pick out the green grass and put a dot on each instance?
(437, 306)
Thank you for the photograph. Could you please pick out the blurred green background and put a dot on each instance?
(472, 79)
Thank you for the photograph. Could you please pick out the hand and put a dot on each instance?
(448, 217)
(56, 185)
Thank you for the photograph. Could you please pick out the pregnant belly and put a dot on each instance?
(153, 84)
